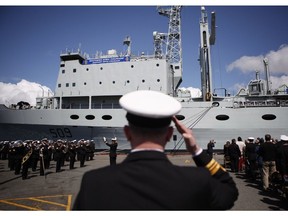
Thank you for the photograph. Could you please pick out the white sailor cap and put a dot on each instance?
(147, 108)
(250, 138)
(284, 137)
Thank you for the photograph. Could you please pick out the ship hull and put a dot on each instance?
(208, 122)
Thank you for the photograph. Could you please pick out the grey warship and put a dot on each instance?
(86, 100)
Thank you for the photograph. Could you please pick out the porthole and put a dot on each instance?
(158, 80)
(87, 69)
(106, 117)
(101, 68)
(100, 83)
(74, 117)
(90, 117)
(132, 66)
(157, 65)
(113, 82)
(143, 81)
(180, 117)
(222, 117)
(269, 117)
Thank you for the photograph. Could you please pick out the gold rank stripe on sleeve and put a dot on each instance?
(213, 167)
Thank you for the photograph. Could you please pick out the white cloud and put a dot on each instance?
(279, 81)
(22, 91)
(194, 92)
(277, 61)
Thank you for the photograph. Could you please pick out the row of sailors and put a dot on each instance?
(265, 156)
(23, 155)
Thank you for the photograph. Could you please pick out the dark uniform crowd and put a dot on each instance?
(33, 154)
(264, 158)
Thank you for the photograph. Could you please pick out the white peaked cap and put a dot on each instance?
(150, 104)
(284, 137)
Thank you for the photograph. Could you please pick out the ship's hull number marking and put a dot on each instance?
(60, 132)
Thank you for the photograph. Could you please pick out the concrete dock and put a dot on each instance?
(57, 191)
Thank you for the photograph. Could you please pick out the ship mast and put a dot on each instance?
(205, 59)
(268, 82)
(174, 47)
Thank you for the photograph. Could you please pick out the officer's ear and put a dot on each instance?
(169, 133)
(127, 132)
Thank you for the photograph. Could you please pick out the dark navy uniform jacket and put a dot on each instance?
(147, 180)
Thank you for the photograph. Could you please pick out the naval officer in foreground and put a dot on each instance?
(146, 179)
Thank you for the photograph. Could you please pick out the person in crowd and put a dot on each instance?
(226, 154)
(241, 145)
(58, 154)
(26, 160)
(35, 153)
(235, 154)
(81, 152)
(210, 147)
(72, 154)
(251, 157)
(283, 156)
(4, 149)
(279, 149)
(267, 151)
(146, 179)
(18, 155)
(225, 149)
(113, 149)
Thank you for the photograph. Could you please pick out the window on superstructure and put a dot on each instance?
(67, 84)
(63, 71)
(73, 84)
(59, 85)
(74, 70)
(62, 65)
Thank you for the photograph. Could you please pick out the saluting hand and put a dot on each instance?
(190, 141)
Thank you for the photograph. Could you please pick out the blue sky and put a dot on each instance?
(32, 37)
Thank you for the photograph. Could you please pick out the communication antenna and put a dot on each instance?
(174, 47)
